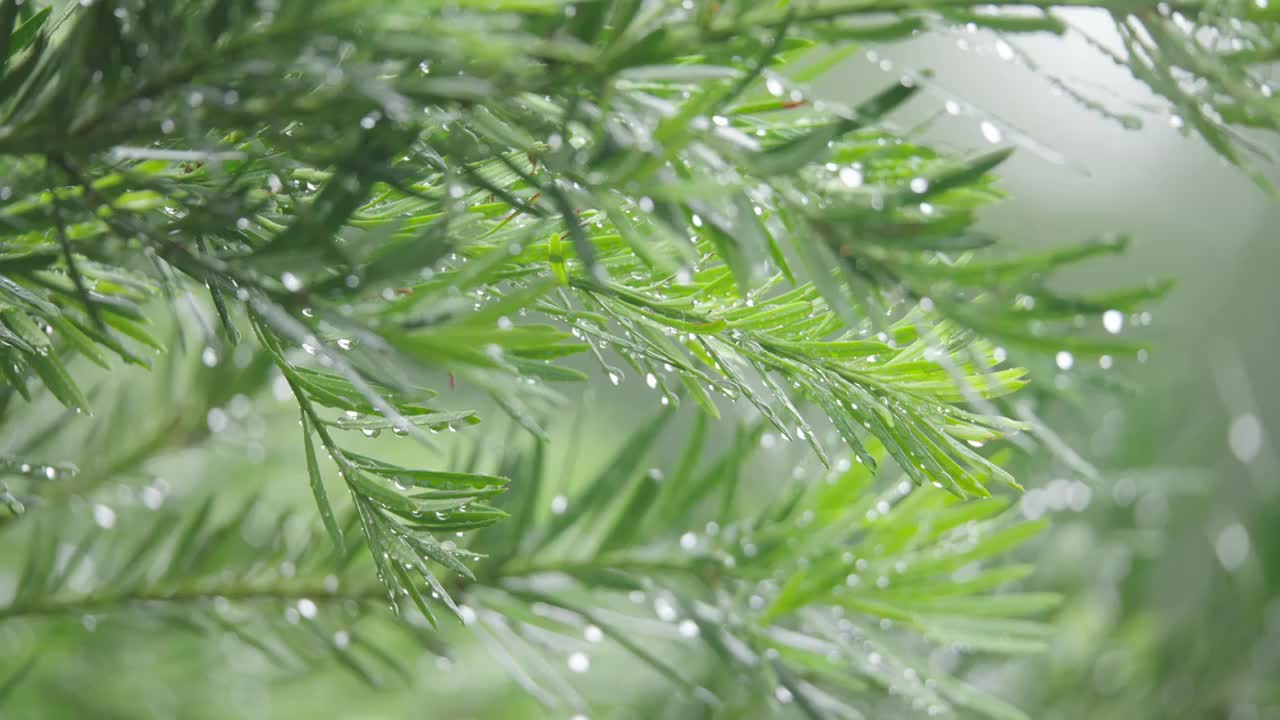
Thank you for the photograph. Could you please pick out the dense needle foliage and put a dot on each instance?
(411, 218)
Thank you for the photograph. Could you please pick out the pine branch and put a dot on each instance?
(173, 566)
(880, 556)
(873, 565)
(388, 194)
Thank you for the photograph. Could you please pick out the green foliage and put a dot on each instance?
(869, 563)
(380, 198)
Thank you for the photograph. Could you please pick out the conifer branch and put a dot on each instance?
(388, 194)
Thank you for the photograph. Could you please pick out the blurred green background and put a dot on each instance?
(1174, 566)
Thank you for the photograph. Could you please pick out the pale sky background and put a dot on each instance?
(1191, 214)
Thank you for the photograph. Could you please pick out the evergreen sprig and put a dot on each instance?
(822, 594)
(377, 195)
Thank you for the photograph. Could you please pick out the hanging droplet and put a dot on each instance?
(217, 420)
(1232, 546)
(1113, 321)
(152, 497)
(559, 504)
(579, 662)
(1245, 437)
(307, 608)
(104, 516)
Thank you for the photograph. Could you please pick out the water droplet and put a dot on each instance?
(1113, 321)
(990, 132)
(217, 420)
(919, 185)
(651, 380)
(345, 343)
(104, 516)
(291, 282)
(688, 541)
(782, 694)
(851, 177)
(664, 610)
(688, 628)
(1232, 546)
(1064, 360)
(152, 497)
(579, 662)
(307, 608)
(209, 357)
(615, 377)
(593, 634)
(559, 504)
(1078, 496)
(1245, 437)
